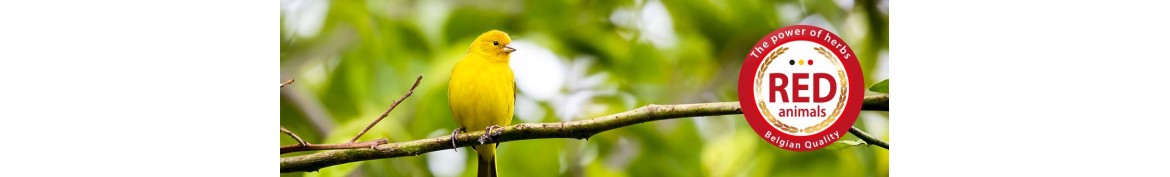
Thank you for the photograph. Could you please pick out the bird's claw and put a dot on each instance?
(455, 134)
(488, 133)
(499, 131)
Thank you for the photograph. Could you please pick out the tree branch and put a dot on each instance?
(876, 103)
(408, 93)
(312, 147)
(868, 138)
(580, 129)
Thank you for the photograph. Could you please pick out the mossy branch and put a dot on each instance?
(580, 129)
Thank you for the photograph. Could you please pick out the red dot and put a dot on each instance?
(809, 62)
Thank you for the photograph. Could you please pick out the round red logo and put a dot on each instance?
(801, 88)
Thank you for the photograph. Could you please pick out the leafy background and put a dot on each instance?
(576, 59)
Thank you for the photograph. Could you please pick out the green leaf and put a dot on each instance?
(843, 144)
(852, 142)
(883, 86)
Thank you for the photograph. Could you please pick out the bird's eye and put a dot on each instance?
(497, 43)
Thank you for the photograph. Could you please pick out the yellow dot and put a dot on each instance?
(801, 62)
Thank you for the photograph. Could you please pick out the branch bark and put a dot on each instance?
(580, 129)
(876, 103)
(350, 145)
(869, 139)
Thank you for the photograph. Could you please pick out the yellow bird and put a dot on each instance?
(482, 93)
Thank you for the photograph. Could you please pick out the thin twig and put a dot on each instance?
(294, 136)
(408, 93)
(312, 147)
(285, 130)
(290, 81)
(869, 139)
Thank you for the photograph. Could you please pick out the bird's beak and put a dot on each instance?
(509, 49)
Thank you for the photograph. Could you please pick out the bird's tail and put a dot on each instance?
(487, 160)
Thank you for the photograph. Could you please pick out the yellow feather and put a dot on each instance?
(482, 90)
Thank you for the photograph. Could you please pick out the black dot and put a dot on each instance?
(496, 43)
(791, 62)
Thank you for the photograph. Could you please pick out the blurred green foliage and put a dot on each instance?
(584, 59)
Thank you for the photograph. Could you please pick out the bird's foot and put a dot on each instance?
(488, 133)
(499, 131)
(455, 134)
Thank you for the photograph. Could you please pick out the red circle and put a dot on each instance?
(853, 72)
(810, 62)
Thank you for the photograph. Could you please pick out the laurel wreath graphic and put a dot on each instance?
(823, 124)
